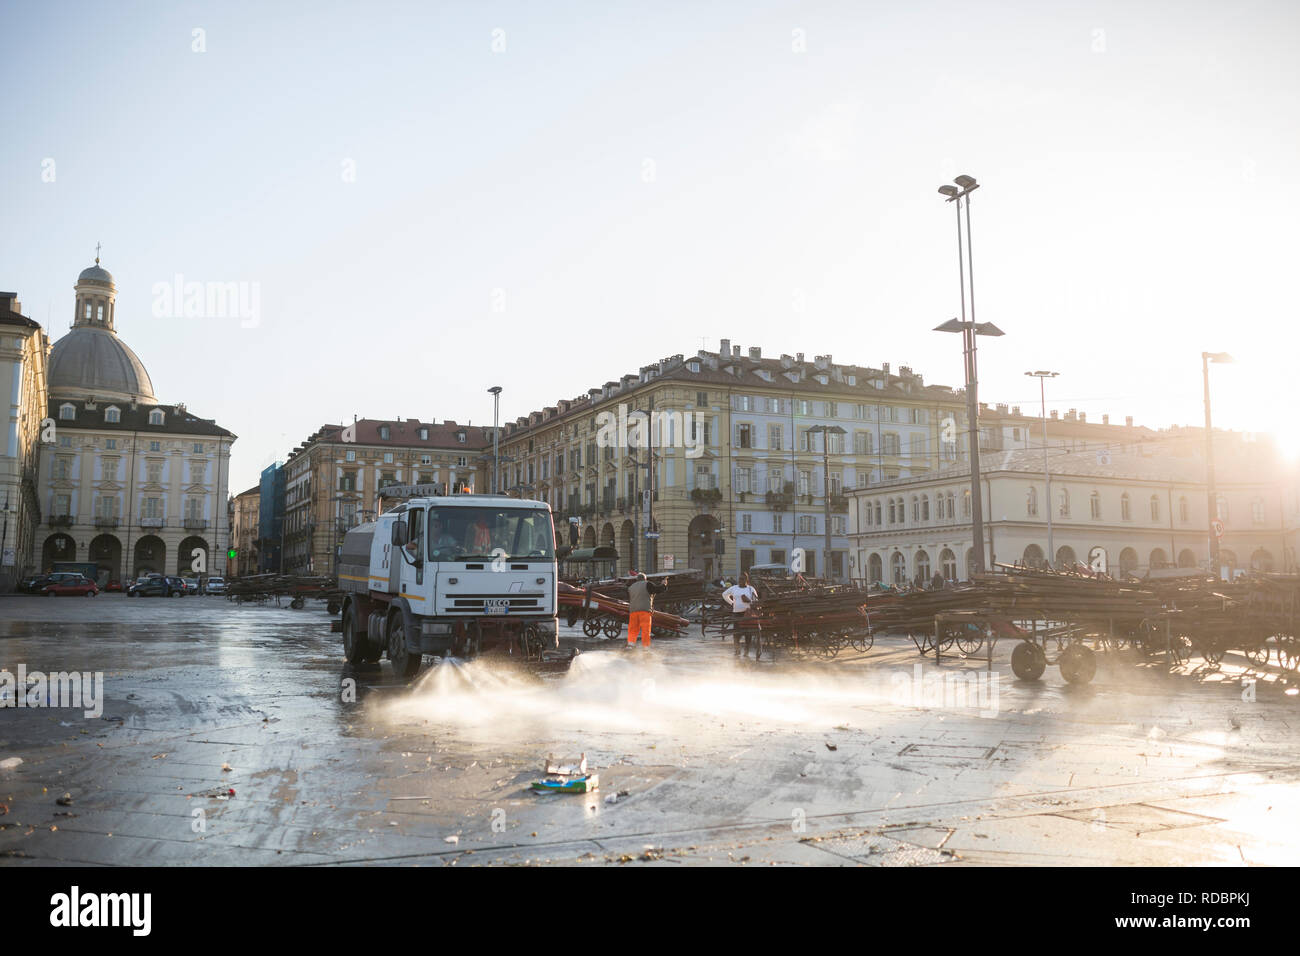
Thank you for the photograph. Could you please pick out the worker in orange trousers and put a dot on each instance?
(640, 602)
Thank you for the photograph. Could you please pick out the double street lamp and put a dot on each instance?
(969, 329)
(1218, 358)
(496, 459)
(826, 432)
(1047, 471)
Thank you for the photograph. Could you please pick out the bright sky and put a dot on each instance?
(623, 180)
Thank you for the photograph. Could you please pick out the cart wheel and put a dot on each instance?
(862, 640)
(968, 641)
(1257, 655)
(1078, 664)
(1286, 654)
(297, 604)
(612, 627)
(1028, 661)
(823, 646)
(1212, 652)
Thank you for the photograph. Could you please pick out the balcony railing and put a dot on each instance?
(778, 500)
(102, 522)
(839, 503)
(60, 521)
(194, 524)
(153, 522)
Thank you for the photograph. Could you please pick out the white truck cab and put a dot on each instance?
(450, 575)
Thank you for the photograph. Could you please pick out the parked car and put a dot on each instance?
(70, 585)
(33, 584)
(191, 585)
(215, 586)
(113, 586)
(178, 585)
(155, 585)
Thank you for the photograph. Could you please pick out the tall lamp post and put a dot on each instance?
(496, 460)
(969, 329)
(1218, 358)
(1047, 471)
(826, 432)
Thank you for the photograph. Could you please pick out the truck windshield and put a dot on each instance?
(475, 533)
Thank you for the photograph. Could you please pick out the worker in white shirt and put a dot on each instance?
(742, 598)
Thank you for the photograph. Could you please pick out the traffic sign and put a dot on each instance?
(652, 534)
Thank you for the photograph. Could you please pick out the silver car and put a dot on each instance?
(215, 586)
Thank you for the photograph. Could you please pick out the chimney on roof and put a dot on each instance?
(1054, 414)
(798, 357)
(884, 367)
(1015, 410)
(725, 349)
(1128, 420)
(448, 421)
(1105, 419)
(755, 353)
(1083, 416)
(735, 351)
(1072, 415)
(1003, 409)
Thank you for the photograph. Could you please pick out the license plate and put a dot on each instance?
(496, 606)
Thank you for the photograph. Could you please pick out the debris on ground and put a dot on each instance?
(220, 793)
(454, 838)
(566, 777)
(566, 770)
(65, 800)
(584, 784)
(831, 746)
(226, 768)
(9, 763)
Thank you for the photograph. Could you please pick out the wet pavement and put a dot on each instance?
(880, 758)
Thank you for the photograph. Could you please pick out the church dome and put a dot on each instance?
(96, 274)
(91, 361)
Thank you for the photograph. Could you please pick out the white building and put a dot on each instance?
(128, 484)
(23, 351)
(1129, 508)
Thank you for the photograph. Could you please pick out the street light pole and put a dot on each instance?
(1047, 471)
(496, 459)
(1218, 358)
(969, 330)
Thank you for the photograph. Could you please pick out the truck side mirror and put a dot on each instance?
(399, 533)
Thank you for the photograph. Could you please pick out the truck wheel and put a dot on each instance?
(404, 662)
(354, 645)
